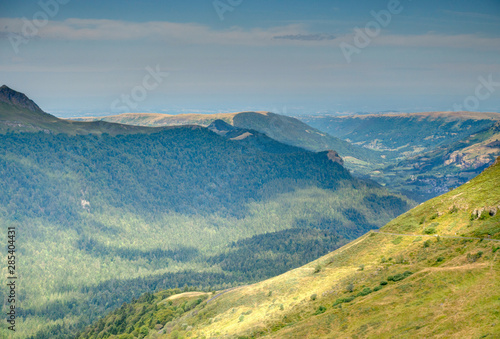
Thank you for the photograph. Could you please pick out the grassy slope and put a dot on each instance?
(453, 289)
(157, 119)
(448, 294)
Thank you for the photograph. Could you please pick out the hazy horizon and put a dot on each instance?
(88, 58)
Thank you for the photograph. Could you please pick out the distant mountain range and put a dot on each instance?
(426, 153)
(432, 272)
(284, 129)
(420, 155)
(106, 211)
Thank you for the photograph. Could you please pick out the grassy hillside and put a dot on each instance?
(284, 129)
(432, 272)
(158, 119)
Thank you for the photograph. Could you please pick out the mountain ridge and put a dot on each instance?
(18, 113)
(288, 130)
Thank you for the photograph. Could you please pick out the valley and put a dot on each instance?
(106, 212)
(426, 154)
(233, 169)
(433, 271)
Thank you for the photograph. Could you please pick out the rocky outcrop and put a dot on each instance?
(335, 157)
(484, 211)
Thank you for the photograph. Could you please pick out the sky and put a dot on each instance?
(92, 58)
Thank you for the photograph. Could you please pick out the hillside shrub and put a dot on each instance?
(320, 310)
(343, 300)
(397, 241)
(399, 276)
(474, 257)
(350, 287)
(364, 292)
(430, 230)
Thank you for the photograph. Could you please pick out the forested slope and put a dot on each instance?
(432, 272)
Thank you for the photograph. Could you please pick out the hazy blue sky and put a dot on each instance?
(294, 57)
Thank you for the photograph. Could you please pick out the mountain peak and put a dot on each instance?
(18, 99)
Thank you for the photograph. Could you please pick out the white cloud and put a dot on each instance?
(191, 33)
(92, 29)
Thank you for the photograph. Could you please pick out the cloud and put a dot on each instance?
(306, 37)
(114, 30)
(190, 33)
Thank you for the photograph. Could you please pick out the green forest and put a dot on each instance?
(103, 218)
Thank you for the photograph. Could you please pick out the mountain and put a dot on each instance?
(284, 129)
(18, 113)
(426, 153)
(432, 272)
(104, 217)
(19, 100)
